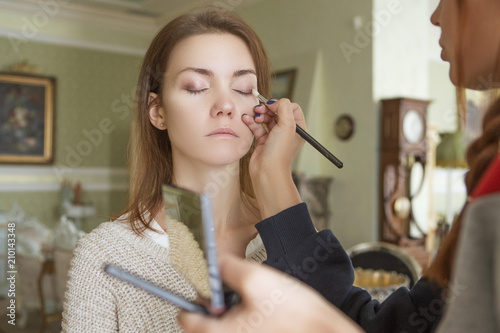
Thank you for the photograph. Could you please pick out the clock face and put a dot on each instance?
(344, 127)
(413, 127)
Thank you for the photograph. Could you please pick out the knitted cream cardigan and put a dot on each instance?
(97, 302)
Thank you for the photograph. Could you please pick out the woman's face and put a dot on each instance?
(480, 40)
(208, 86)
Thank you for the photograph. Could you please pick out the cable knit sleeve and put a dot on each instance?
(88, 304)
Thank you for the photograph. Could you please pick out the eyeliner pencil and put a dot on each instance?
(306, 136)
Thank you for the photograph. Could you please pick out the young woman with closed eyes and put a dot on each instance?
(467, 266)
(194, 88)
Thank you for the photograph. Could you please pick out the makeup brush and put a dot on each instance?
(306, 136)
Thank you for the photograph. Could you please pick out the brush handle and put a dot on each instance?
(154, 289)
(319, 147)
(306, 136)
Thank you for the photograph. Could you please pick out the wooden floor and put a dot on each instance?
(31, 320)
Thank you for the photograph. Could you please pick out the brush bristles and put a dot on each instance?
(259, 96)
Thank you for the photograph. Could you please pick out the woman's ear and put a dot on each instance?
(156, 112)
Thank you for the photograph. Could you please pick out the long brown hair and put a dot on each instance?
(479, 156)
(150, 154)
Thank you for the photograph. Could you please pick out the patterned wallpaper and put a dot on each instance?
(93, 109)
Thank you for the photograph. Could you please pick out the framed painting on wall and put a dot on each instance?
(26, 118)
(283, 83)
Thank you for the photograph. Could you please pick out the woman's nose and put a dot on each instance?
(223, 107)
(435, 15)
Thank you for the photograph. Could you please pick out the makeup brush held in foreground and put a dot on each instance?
(154, 289)
(306, 136)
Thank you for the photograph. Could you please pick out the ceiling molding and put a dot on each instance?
(83, 14)
(127, 27)
(229, 5)
(190, 5)
(78, 43)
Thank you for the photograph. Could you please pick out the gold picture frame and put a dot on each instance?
(26, 118)
(283, 83)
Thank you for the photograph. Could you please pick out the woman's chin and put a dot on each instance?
(228, 154)
(222, 159)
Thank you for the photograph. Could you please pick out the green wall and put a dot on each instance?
(94, 93)
(309, 36)
(306, 35)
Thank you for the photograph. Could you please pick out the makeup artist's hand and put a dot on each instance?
(279, 144)
(270, 302)
(277, 147)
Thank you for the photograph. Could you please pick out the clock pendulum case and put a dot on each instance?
(403, 143)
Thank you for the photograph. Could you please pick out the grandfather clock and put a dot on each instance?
(403, 143)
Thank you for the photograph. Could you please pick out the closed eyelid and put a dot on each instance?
(245, 82)
(245, 89)
(193, 82)
(194, 78)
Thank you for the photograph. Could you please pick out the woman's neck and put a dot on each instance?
(220, 183)
(234, 214)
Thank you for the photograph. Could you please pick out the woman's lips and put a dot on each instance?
(223, 132)
(443, 53)
(443, 56)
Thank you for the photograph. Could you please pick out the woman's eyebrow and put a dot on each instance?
(207, 72)
(243, 72)
(202, 71)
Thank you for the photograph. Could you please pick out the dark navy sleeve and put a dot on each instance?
(416, 310)
(317, 258)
